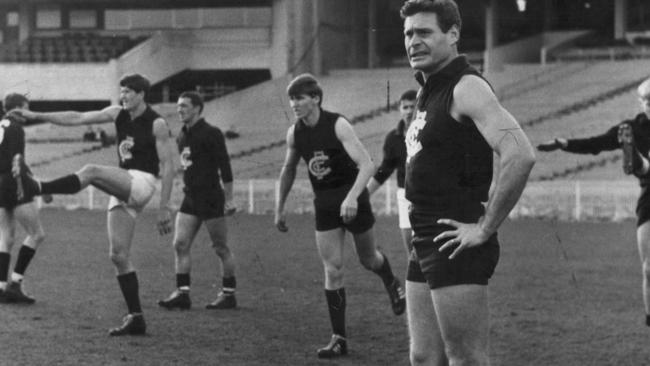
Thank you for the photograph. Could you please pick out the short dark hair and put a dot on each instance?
(136, 82)
(305, 84)
(13, 101)
(194, 97)
(409, 95)
(446, 12)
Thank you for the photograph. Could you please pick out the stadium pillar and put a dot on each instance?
(282, 25)
(317, 59)
(24, 21)
(620, 19)
(372, 34)
(490, 61)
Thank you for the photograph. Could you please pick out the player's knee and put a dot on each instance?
(221, 248)
(334, 271)
(88, 171)
(37, 238)
(420, 357)
(646, 268)
(182, 246)
(119, 257)
(370, 262)
(460, 353)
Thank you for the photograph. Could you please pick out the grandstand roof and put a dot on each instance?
(147, 3)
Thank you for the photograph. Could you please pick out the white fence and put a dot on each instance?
(563, 200)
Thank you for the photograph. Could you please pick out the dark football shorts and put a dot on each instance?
(8, 197)
(471, 266)
(204, 203)
(643, 207)
(327, 206)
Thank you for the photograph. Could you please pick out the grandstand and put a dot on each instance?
(244, 53)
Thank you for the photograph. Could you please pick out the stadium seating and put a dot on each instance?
(562, 99)
(72, 47)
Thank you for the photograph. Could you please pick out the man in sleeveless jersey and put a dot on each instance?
(395, 159)
(633, 137)
(145, 152)
(206, 164)
(458, 128)
(15, 208)
(339, 168)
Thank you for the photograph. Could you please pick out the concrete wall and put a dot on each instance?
(167, 53)
(530, 49)
(79, 81)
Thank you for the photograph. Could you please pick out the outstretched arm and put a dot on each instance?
(474, 99)
(287, 177)
(590, 145)
(72, 118)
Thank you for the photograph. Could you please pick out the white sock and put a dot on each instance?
(184, 288)
(3, 286)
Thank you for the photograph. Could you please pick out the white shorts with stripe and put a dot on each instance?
(143, 187)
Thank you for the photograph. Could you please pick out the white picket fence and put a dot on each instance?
(562, 200)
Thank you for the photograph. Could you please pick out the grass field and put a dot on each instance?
(563, 294)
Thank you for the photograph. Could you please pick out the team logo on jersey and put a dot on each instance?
(413, 145)
(186, 158)
(318, 165)
(3, 124)
(124, 150)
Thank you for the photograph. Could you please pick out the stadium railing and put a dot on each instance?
(566, 200)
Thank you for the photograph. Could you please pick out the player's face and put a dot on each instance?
(303, 105)
(406, 109)
(130, 99)
(427, 47)
(186, 110)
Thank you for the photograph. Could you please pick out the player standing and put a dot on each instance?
(633, 137)
(339, 168)
(15, 207)
(206, 164)
(144, 147)
(458, 128)
(395, 160)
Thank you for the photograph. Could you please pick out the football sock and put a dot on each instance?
(130, 290)
(183, 281)
(5, 259)
(336, 305)
(647, 320)
(67, 184)
(25, 256)
(229, 284)
(385, 272)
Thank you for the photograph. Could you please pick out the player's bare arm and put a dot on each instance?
(164, 148)
(73, 118)
(474, 99)
(373, 185)
(287, 177)
(359, 154)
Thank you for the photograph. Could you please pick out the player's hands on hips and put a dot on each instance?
(164, 221)
(463, 236)
(349, 208)
(552, 145)
(281, 221)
